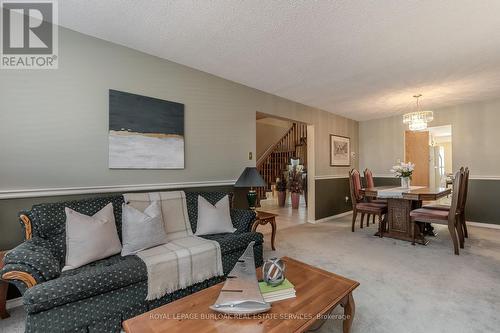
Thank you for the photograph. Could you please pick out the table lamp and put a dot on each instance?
(251, 178)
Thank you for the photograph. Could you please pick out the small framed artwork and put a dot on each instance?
(340, 151)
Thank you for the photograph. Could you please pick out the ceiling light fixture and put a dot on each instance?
(418, 120)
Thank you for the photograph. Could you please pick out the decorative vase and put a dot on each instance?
(295, 200)
(405, 182)
(281, 198)
(273, 271)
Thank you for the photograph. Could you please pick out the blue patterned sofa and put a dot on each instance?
(99, 296)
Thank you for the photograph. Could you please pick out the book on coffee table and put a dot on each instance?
(277, 293)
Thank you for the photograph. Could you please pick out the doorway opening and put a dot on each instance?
(440, 161)
(431, 151)
(282, 147)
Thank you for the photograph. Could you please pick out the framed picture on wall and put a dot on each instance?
(145, 132)
(340, 151)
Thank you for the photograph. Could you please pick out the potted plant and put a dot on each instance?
(295, 185)
(281, 188)
(404, 171)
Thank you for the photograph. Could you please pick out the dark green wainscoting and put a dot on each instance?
(482, 198)
(483, 203)
(386, 181)
(331, 197)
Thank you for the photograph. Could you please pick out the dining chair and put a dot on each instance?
(365, 208)
(420, 216)
(368, 175)
(462, 201)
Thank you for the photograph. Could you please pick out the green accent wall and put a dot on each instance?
(482, 202)
(330, 197)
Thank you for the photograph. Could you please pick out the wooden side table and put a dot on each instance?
(3, 291)
(265, 218)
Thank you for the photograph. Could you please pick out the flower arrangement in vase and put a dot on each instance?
(404, 171)
(295, 184)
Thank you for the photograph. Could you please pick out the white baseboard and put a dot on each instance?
(471, 223)
(333, 217)
(14, 303)
(484, 225)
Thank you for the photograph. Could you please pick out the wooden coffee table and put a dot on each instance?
(318, 293)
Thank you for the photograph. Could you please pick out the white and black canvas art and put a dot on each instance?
(145, 132)
(340, 150)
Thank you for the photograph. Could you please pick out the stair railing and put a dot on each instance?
(274, 160)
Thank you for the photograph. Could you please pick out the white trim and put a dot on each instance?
(471, 177)
(14, 303)
(331, 177)
(333, 217)
(484, 225)
(484, 177)
(49, 192)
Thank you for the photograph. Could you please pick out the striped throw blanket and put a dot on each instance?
(185, 259)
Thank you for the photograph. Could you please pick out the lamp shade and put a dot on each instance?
(250, 177)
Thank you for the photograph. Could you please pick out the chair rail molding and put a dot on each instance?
(331, 177)
(472, 177)
(49, 192)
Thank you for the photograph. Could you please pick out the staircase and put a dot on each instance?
(272, 164)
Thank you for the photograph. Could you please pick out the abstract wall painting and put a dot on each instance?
(145, 132)
(340, 151)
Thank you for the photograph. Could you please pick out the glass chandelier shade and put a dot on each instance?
(418, 120)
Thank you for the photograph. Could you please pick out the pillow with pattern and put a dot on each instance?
(90, 238)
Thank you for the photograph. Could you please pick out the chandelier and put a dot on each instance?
(417, 121)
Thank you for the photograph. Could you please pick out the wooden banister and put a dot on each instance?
(272, 163)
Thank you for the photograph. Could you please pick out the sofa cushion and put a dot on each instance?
(235, 242)
(142, 230)
(214, 219)
(93, 279)
(90, 238)
(49, 220)
(192, 203)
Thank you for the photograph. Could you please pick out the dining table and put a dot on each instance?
(400, 202)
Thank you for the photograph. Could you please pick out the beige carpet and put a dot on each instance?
(403, 288)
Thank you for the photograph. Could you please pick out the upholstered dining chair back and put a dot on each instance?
(369, 178)
(464, 189)
(355, 186)
(455, 198)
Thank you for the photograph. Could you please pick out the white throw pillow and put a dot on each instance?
(140, 230)
(213, 219)
(90, 238)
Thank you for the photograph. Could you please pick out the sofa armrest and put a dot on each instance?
(31, 262)
(242, 219)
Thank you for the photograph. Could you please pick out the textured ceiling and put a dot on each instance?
(360, 59)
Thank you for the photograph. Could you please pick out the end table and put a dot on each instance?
(3, 291)
(265, 218)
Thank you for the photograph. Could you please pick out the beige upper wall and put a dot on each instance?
(54, 123)
(269, 131)
(475, 138)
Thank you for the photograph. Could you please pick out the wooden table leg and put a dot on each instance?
(349, 311)
(273, 232)
(3, 293)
